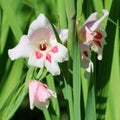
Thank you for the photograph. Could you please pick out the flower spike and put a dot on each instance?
(92, 38)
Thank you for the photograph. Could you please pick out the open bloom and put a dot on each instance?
(39, 94)
(41, 47)
(92, 37)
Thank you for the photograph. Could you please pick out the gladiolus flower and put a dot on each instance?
(41, 47)
(39, 94)
(92, 37)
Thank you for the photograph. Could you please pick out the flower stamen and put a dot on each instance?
(43, 45)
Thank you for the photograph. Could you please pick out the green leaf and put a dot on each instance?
(98, 5)
(113, 107)
(11, 82)
(18, 97)
(55, 105)
(62, 13)
(11, 18)
(90, 113)
(76, 80)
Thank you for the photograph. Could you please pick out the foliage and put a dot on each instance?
(78, 98)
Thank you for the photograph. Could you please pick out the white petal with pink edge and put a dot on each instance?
(37, 59)
(59, 53)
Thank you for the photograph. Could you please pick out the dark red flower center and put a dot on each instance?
(98, 35)
(43, 46)
(85, 53)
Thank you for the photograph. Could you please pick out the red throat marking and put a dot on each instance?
(98, 35)
(85, 53)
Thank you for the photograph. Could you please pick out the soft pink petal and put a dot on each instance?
(41, 34)
(40, 23)
(23, 49)
(89, 35)
(42, 93)
(61, 54)
(39, 94)
(32, 91)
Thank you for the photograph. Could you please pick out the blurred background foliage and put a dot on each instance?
(99, 96)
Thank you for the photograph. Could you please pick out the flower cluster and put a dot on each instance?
(41, 48)
(92, 38)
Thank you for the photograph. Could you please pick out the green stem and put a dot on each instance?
(46, 115)
(51, 84)
(71, 15)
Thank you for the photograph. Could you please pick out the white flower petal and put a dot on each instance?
(37, 62)
(40, 22)
(90, 67)
(92, 17)
(100, 51)
(99, 57)
(52, 67)
(52, 93)
(87, 64)
(98, 22)
(41, 34)
(42, 105)
(63, 34)
(95, 48)
(23, 49)
(61, 54)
